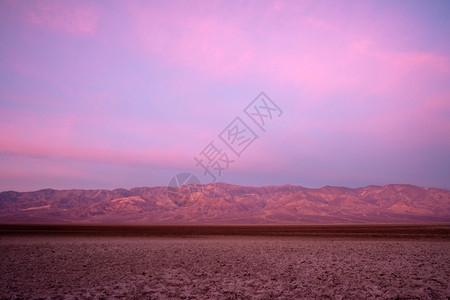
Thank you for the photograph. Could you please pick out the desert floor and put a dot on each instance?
(223, 267)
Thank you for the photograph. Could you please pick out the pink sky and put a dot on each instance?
(125, 93)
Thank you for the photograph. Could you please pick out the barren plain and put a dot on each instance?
(225, 263)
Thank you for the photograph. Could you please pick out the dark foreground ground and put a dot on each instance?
(225, 262)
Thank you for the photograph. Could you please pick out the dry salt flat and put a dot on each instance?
(215, 267)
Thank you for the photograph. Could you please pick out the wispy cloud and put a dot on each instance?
(151, 83)
(74, 17)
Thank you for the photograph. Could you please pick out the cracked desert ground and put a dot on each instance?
(223, 267)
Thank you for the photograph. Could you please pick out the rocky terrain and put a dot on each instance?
(223, 268)
(222, 203)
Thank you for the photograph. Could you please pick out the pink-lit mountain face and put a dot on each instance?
(230, 204)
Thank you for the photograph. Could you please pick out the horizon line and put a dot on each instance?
(225, 183)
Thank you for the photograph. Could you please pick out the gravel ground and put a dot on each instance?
(215, 267)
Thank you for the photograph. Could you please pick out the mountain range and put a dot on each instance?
(222, 203)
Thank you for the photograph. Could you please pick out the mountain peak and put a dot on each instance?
(233, 204)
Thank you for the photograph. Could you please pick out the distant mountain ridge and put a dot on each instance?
(223, 203)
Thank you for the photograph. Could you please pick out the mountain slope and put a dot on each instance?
(224, 203)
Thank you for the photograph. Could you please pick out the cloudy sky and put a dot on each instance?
(110, 94)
